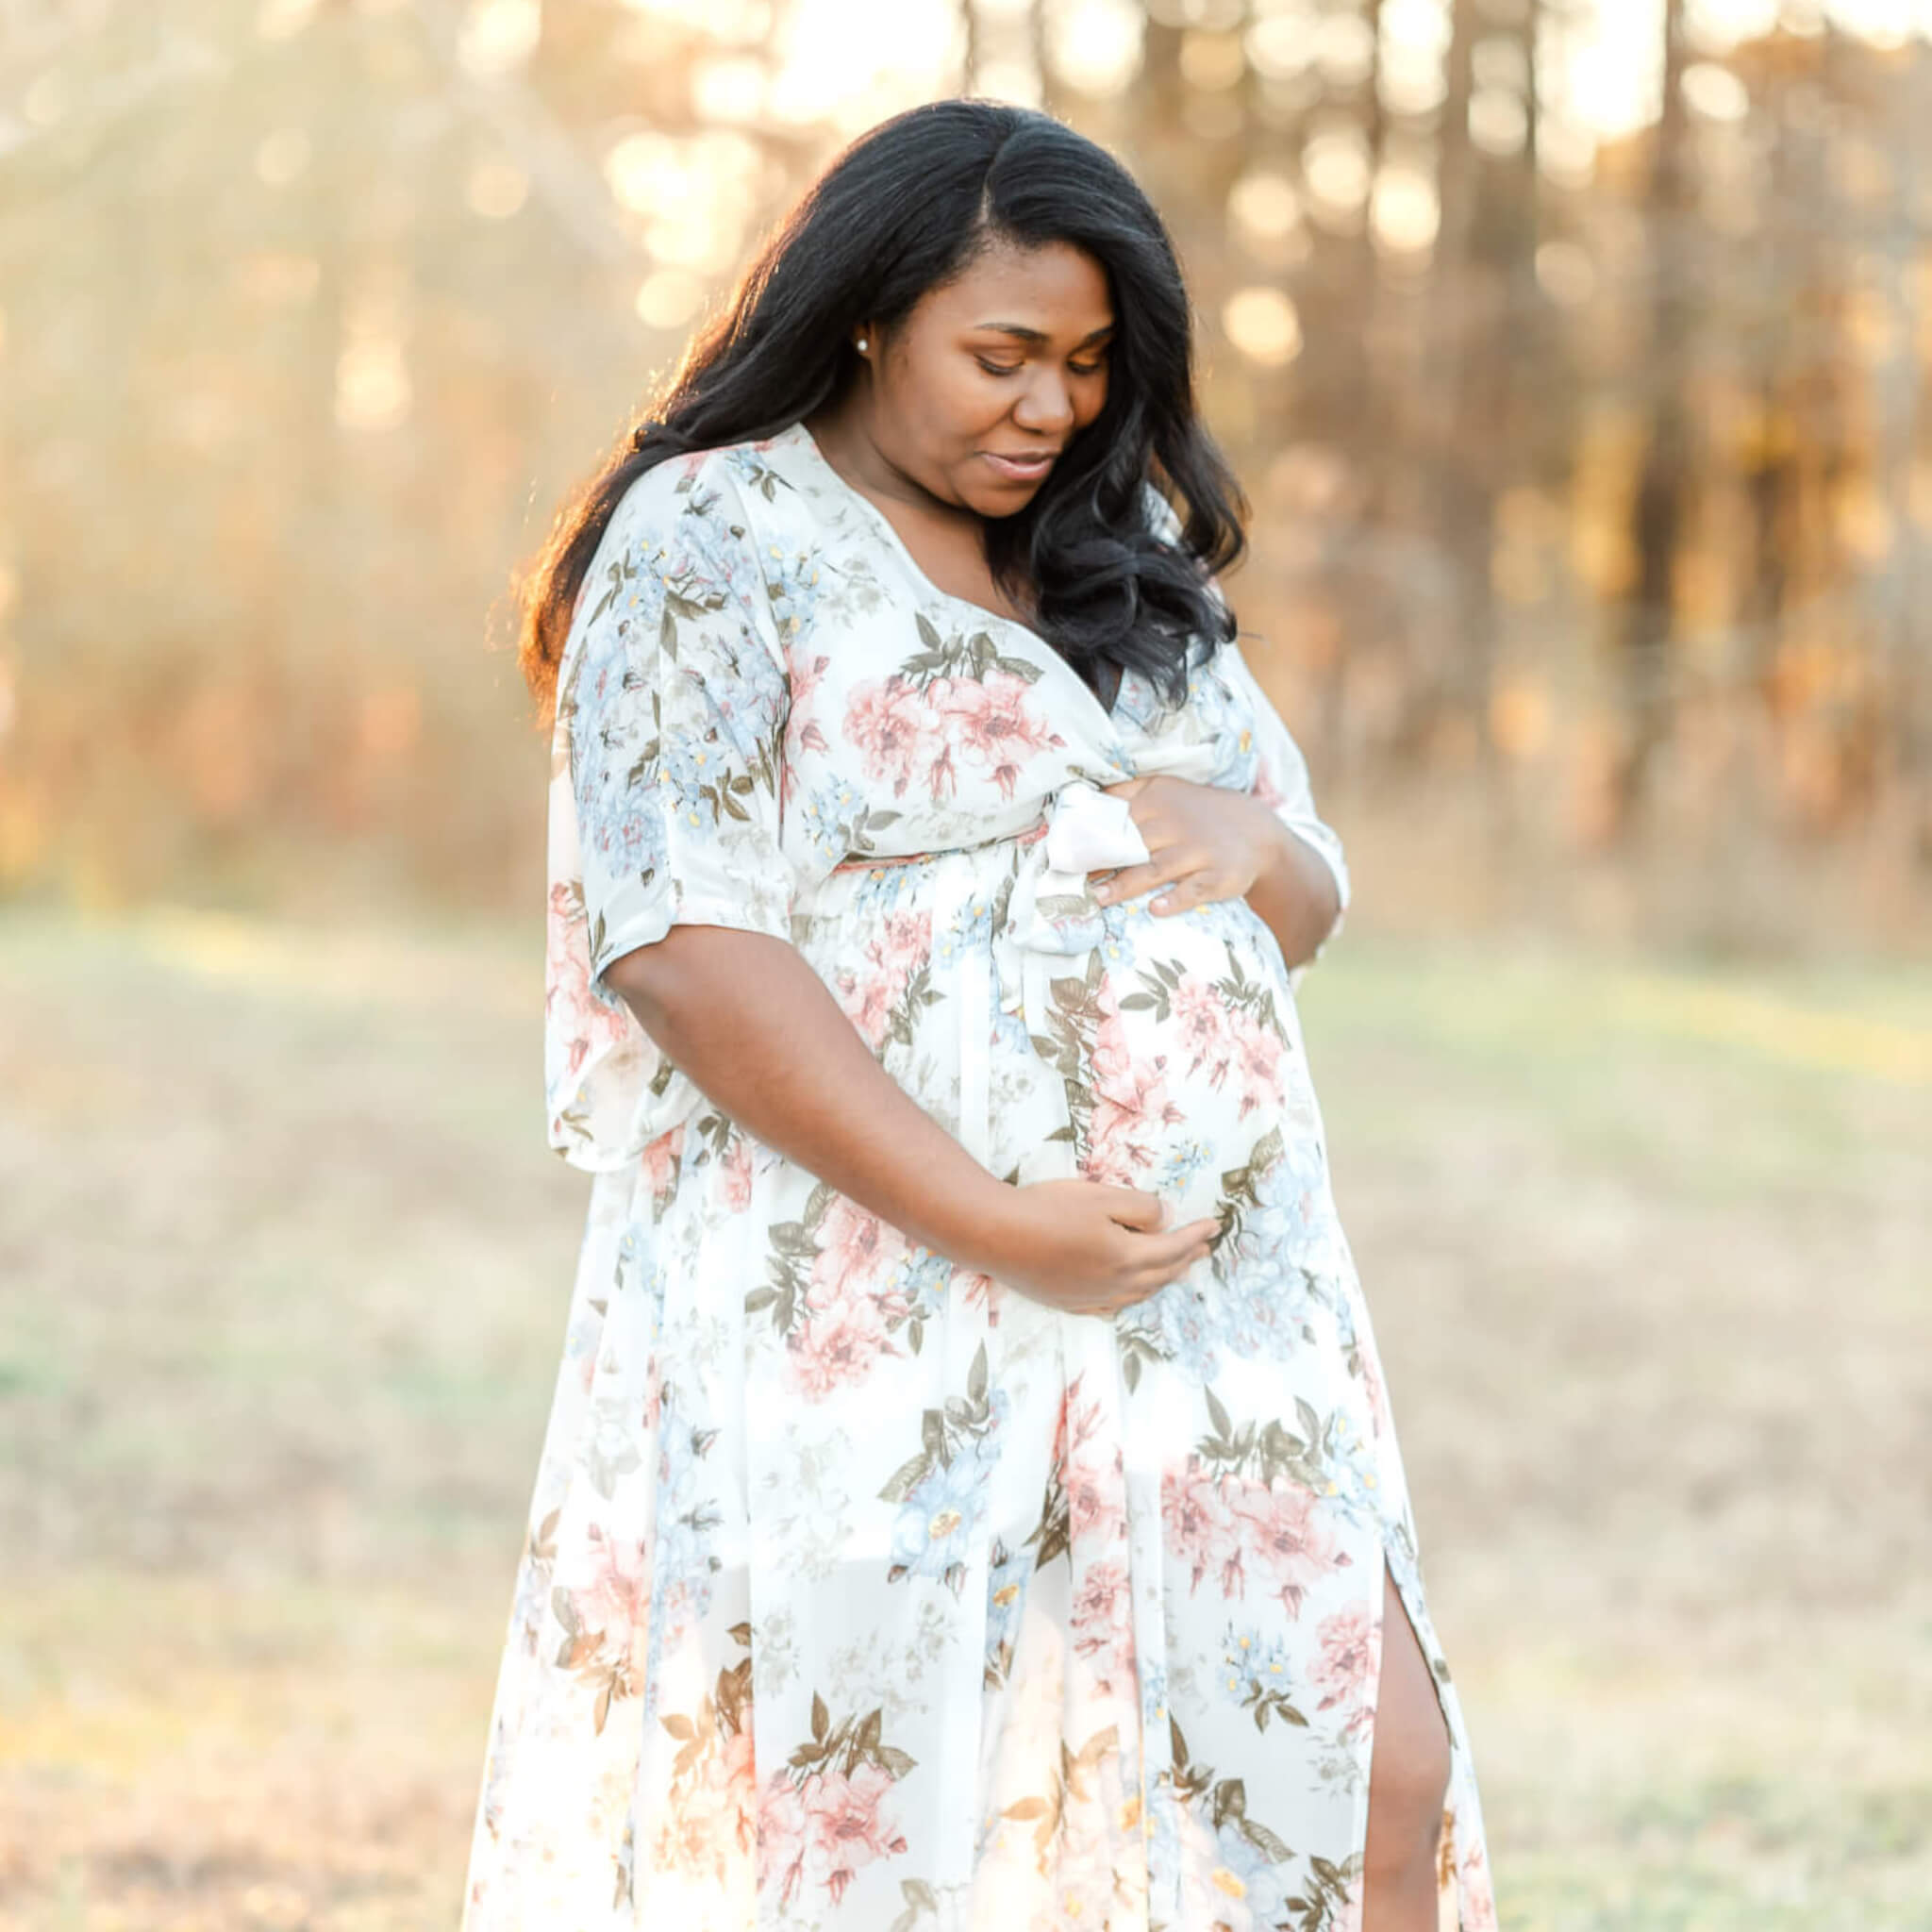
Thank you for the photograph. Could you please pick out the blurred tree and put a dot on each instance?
(1646, 631)
(310, 310)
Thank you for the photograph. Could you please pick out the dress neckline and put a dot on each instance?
(883, 523)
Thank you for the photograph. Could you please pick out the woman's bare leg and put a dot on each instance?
(1409, 1778)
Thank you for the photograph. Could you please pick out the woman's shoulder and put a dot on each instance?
(728, 495)
(688, 483)
(682, 521)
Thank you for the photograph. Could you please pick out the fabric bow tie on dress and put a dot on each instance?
(1053, 922)
(1052, 926)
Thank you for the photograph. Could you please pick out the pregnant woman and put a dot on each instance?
(970, 1500)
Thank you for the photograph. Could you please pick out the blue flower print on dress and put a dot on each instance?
(1259, 1675)
(942, 1490)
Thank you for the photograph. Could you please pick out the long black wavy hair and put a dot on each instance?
(903, 210)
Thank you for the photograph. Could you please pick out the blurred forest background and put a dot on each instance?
(1572, 351)
(1573, 355)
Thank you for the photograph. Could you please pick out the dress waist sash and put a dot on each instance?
(1049, 930)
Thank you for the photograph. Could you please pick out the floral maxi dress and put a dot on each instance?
(862, 1593)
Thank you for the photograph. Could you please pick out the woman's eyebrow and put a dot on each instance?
(1036, 335)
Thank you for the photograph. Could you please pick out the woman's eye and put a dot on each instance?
(1014, 368)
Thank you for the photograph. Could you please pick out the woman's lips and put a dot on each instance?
(1027, 470)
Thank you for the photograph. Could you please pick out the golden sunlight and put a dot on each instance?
(1264, 326)
(1095, 44)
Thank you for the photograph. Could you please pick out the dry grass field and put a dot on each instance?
(283, 1271)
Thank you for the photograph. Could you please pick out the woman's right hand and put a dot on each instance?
(761, 1035)
(1091, 1249)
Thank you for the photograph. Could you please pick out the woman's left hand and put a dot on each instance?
(1204, 842)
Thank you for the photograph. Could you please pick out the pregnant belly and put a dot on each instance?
(1171, 1055)
(1196, 1076)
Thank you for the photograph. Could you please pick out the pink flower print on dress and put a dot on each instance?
(803, 731)
(1130, 1104)
(873, 995)
(738, 1769)
(887, 724)
(1124, 1129)
(805, 675)
(1479, 1894)
(995, 724)
(850, 1302)
(977, 1290)
(1112, 1061)
(712, 1814)
(587, 1021)
(1289, 1537)
(1346, 1665)
(1257, 1053)
(617, 1592)
(857, 1251)
(942, 776)
(664, 1160)
(839, 1341)
(737, 1168)
(1089, 1471)
(821, 1831)
(1201, 1531)
(1200, 1025)
(606, 1620)
(1371, 1374)
(1348, 1911)
(1103, 1625)
(781, 1833)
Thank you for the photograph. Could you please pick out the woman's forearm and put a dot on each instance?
(1295, 897)
(758, 1033)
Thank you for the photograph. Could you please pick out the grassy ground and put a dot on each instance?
(283, 1270)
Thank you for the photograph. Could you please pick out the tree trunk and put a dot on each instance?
(1645, 644)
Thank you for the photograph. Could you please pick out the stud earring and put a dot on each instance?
(859, 345)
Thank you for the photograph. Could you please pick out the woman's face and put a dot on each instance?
(1005, 364)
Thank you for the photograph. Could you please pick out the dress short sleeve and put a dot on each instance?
(666, 787)
(1281, 781)
(1280, 770)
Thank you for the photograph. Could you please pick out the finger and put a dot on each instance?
(1105, 1302)
(1177, 1266)
(1174, 1241)
(1157, 1278)
(1132, 880)
(1197, 888)
(1134, 1210)
(1158, 832)
(1144, 1288)
(1183, 1260)
(1128, 788)
(1176, 1248)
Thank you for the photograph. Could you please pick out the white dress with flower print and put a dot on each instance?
(861, 1593)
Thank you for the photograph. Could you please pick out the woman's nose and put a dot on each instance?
(1047, 404)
